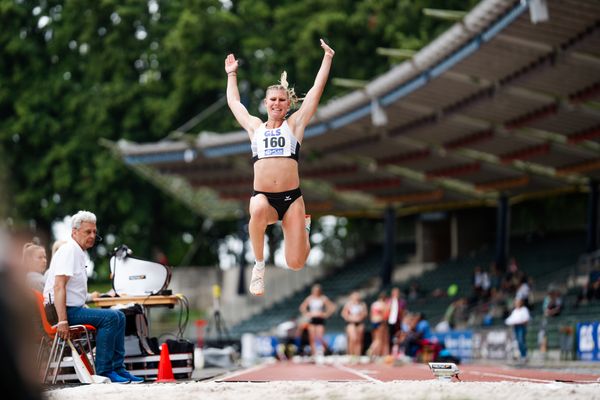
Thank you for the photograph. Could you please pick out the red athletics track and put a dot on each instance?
(288, 371)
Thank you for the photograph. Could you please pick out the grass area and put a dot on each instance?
(173, 316)
(101, 287)
(167, 324)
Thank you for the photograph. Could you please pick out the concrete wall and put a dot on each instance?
(195, 283)
(440, 236)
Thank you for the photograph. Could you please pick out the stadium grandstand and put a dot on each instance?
(499, 111)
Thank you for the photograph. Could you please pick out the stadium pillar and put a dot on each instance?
(389, 247)
(243, 234)
(502, 231)
(592, 218)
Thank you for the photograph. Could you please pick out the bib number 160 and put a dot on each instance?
(274, 142)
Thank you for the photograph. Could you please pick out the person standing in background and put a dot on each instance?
(318, 308)
(397, 306)
(379, 314)
(354, 313)
(518, 319)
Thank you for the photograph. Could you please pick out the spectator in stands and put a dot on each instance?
(518, 319)
(66, 287)
(552, 305)
(35, 263)
(455, 316)
(511, 277)
(396, 306)
(523, 290)
(379, 314)
(495, 277)
(414, 291)
(317, 308)
(354, 313)
(418, 331)
(497, 307)
(481, 284)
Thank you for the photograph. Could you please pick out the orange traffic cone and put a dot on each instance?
(165, 370)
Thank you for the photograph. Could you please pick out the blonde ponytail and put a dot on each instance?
(283, 80)
(284, 85)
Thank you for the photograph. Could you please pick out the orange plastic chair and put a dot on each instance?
(80, 335)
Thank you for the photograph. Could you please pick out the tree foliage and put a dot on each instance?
(73, 72)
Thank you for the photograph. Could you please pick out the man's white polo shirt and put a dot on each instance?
(69, 260)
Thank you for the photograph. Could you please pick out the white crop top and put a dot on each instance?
(316, 305)
(278, 142)
(355, 309)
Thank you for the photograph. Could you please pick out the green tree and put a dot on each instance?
(74, 72)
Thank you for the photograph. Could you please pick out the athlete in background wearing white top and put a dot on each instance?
(317, 308)
(354, 313)
(276, 144)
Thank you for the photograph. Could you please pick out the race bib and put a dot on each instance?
(273, 143)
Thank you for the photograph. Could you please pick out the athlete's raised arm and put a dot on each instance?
(311, 100)
(241, 114)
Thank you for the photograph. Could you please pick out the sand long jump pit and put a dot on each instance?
(286, 380)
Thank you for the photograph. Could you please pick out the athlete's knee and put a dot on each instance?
(259, 213)
(296, 263)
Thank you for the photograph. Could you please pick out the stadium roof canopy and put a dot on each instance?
(496, 105)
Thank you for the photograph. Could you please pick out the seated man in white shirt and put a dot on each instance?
(66, 286)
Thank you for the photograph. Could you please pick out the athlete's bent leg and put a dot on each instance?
(295, 234)
(261, 215)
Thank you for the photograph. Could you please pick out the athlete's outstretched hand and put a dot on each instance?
(231, 64)
(328, 50)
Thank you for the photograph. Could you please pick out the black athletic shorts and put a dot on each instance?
(280, 201)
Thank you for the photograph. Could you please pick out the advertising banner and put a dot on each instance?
(588, 341)
(458, 343)
(495, 344)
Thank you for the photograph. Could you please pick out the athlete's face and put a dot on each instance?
(277, 103)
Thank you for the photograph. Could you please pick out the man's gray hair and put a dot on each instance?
(82, 216)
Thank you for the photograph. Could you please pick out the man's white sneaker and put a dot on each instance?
(257, 283)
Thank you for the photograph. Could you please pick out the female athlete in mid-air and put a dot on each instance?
(275, 151)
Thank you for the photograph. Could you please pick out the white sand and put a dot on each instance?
(426, 390)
